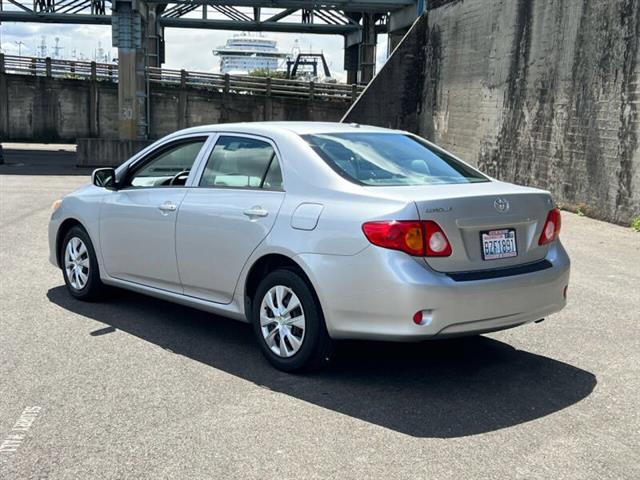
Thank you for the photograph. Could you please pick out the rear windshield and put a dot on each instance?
(389, 159)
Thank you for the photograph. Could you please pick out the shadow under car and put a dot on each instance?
(440, 389)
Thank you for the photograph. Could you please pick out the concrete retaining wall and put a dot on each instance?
(106, 152)
(540, 92)
(41, 109)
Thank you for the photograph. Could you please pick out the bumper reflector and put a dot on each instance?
(423, 317)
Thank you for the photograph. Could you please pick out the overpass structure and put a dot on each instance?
(138, 32)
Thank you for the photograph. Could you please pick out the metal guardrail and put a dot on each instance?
(244, 84)
(223, 83)
(48, 67)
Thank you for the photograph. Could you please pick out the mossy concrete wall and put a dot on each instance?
(538, 92)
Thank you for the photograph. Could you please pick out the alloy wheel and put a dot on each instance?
(76, 263)
(282, 321)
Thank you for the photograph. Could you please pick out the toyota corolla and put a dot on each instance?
(315, 232)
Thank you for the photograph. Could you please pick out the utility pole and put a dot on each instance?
(57, 49)
(42, 49)
(20, 43)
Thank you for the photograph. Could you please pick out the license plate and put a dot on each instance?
(498, 244)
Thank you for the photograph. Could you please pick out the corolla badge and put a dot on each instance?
(501, 205)
(438, 209)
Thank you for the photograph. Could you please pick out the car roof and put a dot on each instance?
(300, 128)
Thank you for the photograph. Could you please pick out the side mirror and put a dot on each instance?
(104, 177)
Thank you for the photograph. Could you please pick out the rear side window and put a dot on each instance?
(241, 162)
(273, 178)
(389, 159)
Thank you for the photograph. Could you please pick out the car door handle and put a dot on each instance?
(168, 207)
(256, 212)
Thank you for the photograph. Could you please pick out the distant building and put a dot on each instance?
(244, 53)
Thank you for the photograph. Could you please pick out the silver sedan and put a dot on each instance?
(314, 232)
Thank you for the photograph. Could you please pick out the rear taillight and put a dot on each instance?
(396, 235)
(413, 237)
(551, 229)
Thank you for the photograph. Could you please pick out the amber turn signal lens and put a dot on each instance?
(413, 238)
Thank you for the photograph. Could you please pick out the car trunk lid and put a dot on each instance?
(465, 211)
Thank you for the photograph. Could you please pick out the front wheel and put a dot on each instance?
(80, 266)
(289, 324)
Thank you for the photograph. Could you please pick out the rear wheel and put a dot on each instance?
(80, 266)
(289, 324)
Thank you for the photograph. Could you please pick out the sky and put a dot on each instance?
(184, 48)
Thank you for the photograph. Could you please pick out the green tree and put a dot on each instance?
(265, 72)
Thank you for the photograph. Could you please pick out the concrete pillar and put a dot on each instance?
(4, 101)
(131, 94)
(129, 22)
(367, 49)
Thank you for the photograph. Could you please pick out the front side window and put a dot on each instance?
(170, 167)
(241, 162)
(389, 159)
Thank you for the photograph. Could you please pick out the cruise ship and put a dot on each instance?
(244, 53)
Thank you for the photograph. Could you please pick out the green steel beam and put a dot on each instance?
(252, 26)
(75, 18)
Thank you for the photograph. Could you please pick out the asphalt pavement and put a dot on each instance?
(137, 388)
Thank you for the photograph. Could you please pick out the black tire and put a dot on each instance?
(317, 346)
(93, 289)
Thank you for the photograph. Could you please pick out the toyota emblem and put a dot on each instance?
(501, 205)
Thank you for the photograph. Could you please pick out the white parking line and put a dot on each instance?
(16, 437)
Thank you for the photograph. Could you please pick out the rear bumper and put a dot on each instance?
(374, 295)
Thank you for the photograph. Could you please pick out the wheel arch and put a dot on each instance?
(65, 226)
(262, 267)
